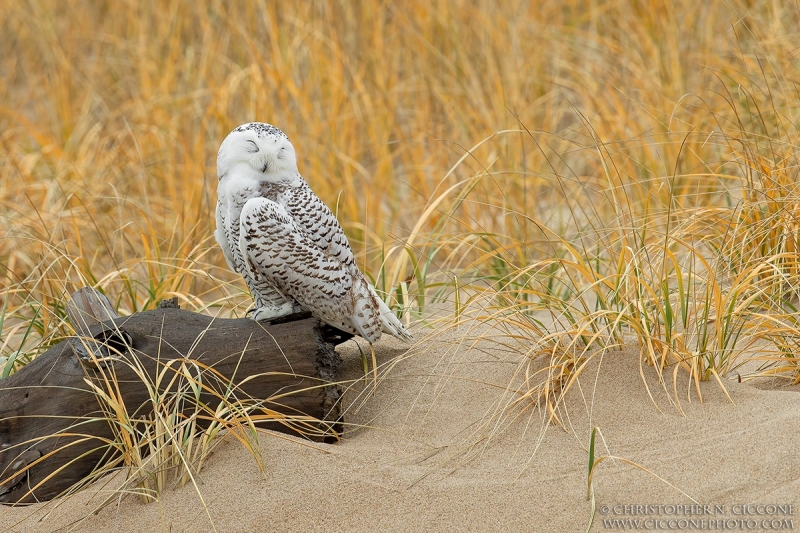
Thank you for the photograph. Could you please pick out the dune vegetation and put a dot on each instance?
(570, 175)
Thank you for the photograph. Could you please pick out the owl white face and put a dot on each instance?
(257, 148)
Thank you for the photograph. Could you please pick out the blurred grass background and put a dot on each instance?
(582, 172)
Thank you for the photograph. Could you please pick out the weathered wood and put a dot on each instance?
(47, 410)
(87, 307)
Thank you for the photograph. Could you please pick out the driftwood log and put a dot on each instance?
(54, 432)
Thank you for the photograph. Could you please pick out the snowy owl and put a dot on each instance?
(286, 243)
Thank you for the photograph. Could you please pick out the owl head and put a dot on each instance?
(258, 148)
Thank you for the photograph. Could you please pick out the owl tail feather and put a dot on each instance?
(391, 324)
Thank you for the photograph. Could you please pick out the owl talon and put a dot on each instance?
(267, 313)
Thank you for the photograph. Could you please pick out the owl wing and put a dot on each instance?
(222, 237)
(276, 249)
(317, 222)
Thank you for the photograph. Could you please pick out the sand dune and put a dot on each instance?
(437, 456)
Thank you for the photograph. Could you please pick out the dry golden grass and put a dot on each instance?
(577, 175)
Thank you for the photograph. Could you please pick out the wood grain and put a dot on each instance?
(47, 431)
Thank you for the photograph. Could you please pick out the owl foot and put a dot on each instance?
(267, 313)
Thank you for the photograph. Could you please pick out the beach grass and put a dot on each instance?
(573, 176)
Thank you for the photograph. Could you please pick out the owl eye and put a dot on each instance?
(252, 147)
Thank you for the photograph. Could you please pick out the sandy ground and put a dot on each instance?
(436, 455)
